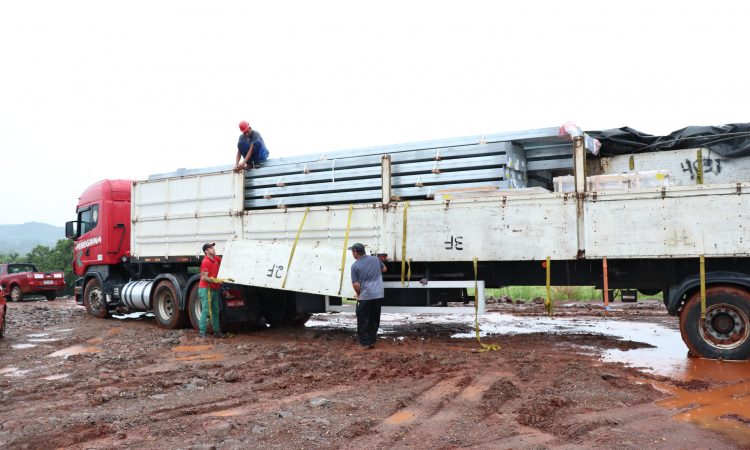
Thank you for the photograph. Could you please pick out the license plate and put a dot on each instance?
(235, 303)
(48, 282)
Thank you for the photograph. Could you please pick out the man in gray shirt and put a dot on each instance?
(367, 280)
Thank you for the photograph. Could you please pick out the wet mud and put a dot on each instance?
(578, 380)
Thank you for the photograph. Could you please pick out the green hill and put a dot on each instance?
(22, 238)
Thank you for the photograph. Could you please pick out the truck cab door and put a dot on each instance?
(88, 249)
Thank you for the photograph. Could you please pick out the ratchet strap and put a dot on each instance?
(294, 246)
(482, 346)
(346, 245)
(703, 287)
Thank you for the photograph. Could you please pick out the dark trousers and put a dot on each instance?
(368, 320)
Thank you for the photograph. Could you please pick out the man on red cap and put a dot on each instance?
(251, 150)
(208, 291)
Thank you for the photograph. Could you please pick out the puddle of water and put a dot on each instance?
(59, 376)
(192, 348)
(20, 346)
(37, 335)
(13, 372)
(725, 408)
(133, 315)
(400, 418)
(75, 350)
(45, 340)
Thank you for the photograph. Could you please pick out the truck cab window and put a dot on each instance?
(88, 218)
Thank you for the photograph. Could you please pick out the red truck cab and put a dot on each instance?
(19, 279)
(101, 230)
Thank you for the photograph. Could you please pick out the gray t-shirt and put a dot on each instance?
(367, 272)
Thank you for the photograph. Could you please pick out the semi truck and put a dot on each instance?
(553, 206)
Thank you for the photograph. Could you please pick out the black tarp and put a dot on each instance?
(732, 140)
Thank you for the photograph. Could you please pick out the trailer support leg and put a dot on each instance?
(605, 274)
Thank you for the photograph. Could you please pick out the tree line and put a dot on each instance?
(46, 259)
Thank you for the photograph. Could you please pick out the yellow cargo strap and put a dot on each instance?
(699, 169)
(548, 300)
(703, 287)
(346, 245)
(482, 347)
(404, 261)
(294, 246)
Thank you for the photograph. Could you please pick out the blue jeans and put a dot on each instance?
(203, 294)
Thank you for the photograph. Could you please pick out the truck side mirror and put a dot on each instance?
(71, 229)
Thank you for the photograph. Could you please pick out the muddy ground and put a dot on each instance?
(70, 380)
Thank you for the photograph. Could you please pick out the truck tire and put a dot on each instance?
(51, 295)
(195, 308)
(93, 299)
(166, 306)
(725, 333)
(15, 293)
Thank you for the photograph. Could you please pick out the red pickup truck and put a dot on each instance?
(19, 279)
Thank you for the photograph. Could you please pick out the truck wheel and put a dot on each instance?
(725, 333)
(194, 308)
(166, 306)
(93, 299)
(50, 295)
(15, 293)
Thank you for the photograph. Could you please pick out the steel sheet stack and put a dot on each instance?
(418, 170)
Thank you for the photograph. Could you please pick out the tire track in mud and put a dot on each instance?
(434, 415)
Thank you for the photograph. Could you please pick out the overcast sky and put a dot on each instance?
(100, 89)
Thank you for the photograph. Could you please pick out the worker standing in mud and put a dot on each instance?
(208, 291)
(367, 280)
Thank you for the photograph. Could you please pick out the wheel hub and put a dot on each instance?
(725, 326)
(166, 306)
(95, 299)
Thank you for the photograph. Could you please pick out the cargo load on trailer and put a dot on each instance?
(444, 216)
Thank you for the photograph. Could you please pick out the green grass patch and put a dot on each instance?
(558, 293)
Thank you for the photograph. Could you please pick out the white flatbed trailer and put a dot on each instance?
(653, 238)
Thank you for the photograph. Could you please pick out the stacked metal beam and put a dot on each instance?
(418, 170)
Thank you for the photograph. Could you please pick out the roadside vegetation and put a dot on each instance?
(523, 294)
